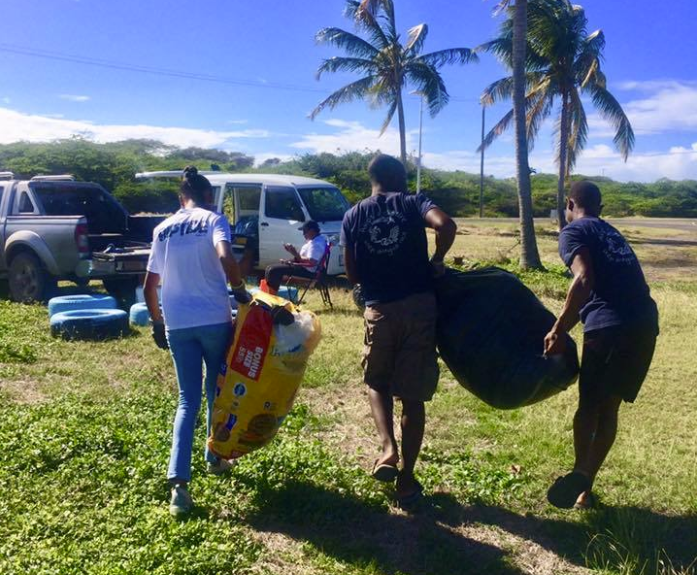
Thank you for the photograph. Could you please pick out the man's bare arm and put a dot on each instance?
(578, 294)
(445, 229)
(350, 265)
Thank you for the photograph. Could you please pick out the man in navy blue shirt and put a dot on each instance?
(610, 296)
(386, 251)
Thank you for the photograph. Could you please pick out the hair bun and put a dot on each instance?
(190, 172)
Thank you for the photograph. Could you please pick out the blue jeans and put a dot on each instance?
(190, 347)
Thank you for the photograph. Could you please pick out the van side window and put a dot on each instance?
(282, 203)
(2, 189)
(25, 205)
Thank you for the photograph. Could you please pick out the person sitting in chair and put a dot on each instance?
(304, 263)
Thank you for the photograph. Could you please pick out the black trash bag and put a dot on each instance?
(491, 331)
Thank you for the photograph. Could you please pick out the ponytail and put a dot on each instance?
(194, 185)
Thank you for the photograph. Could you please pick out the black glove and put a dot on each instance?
(159, 335)
(242, 296)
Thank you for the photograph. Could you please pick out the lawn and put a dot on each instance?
(85, 430)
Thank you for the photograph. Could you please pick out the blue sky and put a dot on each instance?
(265, 50)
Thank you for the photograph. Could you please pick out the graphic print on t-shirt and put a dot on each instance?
(615, 248)
(383, 235)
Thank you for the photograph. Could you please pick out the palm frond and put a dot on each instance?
(448, 56)
(390, 114)
(587, 63)
(611, 110)
(430, 84)
(501, 126)
(578, 134)
(354, 45)
(416, 38)
(502, 89)
(539, 106)
(350, 92)
(343, 64)
(368, 13)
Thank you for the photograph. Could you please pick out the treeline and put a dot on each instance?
(114, 166)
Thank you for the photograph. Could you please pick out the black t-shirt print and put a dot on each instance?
(621, 295)
(387, 235)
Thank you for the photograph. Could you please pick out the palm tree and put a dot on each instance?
(562, 61)
(529, 254)
(386, 65)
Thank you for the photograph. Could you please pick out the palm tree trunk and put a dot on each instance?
(563, 150)
(529, 255)
(402, 130)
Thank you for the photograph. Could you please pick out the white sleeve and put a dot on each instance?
(221, 230)
(155, 258)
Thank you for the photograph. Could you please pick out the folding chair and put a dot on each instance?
(319, 280)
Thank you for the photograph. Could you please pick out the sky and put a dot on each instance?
(239, 75)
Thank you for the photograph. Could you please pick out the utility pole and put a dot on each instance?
(421, 124)
(481, 168)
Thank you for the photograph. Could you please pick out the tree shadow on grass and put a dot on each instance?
(366, 535)
(608, 536)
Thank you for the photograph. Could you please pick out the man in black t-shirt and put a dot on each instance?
(386, 251)
(609, 295)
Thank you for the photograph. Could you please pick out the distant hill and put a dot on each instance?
(114, 165)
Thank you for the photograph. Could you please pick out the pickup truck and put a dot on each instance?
(54, 228)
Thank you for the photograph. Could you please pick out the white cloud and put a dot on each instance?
(668, 106)
(17, 126)
(678, 163)
(353, 137)
(74, 97)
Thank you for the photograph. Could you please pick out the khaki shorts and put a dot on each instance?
(400, 347)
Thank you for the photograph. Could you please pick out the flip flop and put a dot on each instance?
(384, 472)
(409, 502)
(566, 490)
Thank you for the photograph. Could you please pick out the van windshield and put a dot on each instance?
(324, 204)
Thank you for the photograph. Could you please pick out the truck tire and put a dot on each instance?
(78, 302)
(28, 280)
(90, 324)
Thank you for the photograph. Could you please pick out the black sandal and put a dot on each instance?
(411, 501)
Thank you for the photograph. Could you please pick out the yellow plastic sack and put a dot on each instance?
(261, 376)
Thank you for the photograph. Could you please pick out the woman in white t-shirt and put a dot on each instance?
(191, 256)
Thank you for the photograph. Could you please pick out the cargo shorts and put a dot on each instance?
(399, 356)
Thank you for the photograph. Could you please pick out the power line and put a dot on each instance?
(48, 55)
(112, 65)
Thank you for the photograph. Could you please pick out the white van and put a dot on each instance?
(273, 208)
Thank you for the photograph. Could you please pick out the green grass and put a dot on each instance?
(85, 433)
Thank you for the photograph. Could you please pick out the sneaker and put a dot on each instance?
(181, 503)
(220, 467)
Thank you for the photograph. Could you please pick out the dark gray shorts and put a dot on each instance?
(615, 362)
(400, 347)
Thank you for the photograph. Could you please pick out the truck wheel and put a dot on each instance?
(29, 282)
